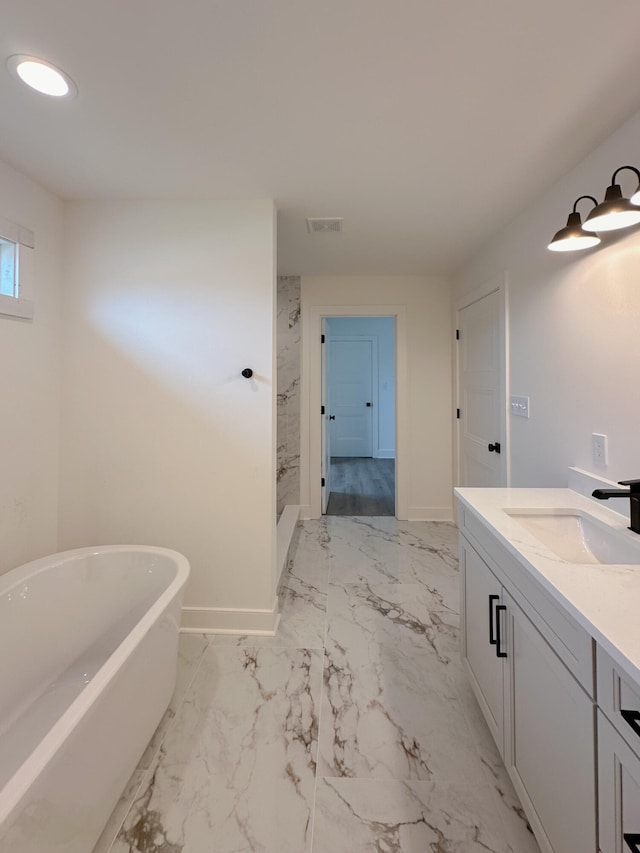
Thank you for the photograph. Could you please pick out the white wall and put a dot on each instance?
(383, 330)
(573, 322)
(163, 441)
(424, 363)
(30, 383)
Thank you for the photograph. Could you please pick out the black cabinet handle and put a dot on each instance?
(633, 719)
(492, 636)
(494, 448)
(499, 609)
(633, 841)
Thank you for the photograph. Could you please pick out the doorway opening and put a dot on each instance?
(359, 415)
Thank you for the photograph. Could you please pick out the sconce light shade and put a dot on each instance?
(615, 211)
(573, 237)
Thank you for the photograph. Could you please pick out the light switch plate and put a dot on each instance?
(520, 407)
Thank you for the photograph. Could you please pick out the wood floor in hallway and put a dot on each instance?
(362, 486)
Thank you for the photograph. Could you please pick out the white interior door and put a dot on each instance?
(481, 446)
(326, 433)
(351, 396)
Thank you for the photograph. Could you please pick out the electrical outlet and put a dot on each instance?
(599, 449)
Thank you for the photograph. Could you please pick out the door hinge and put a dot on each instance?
(321, 339)
(323, 482)
(322, 410)
(458, 414)
(457, 334)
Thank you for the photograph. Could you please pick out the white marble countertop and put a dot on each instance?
(604, 599)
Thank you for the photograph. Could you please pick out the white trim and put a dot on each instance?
(310, 401)
(430, 513)
(12, 306)
(305, 512)
(500, 285)
(24, 240)
(385, 454)
(223, 620)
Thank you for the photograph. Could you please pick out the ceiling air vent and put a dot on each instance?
(325, 224)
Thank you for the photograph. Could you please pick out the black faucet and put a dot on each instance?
(633, 493)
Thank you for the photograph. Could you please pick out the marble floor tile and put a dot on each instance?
(303, 610)
(236, 770)
(353, 729)
(302, 621)
(302, 595)
(511, 812)
(112, 828)
(388, 705)
(310, 555)
(405, 817)
(382, 551)
(191, 648)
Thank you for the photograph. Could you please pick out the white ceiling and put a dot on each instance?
(426, 124)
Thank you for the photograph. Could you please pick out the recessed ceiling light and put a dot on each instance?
(42, 76)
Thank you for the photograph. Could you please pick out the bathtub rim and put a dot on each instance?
(18, 785)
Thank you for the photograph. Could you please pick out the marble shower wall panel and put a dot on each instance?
(288, 366)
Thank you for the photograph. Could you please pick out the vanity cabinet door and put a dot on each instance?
(618, 791)
(549, 740)
(481, 594)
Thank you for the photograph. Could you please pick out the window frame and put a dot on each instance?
(24, 241)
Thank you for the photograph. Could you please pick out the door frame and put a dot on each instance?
(373, 340)
(500, 285)
(311, 400)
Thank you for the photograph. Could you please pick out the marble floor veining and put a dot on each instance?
(353, 729)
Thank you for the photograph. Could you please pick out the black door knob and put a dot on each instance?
(494, 448)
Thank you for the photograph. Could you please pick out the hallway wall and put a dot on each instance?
(573, 326)
(164, 442)
(30, 383)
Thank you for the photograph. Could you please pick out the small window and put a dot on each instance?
(8, 267)
(16, 270)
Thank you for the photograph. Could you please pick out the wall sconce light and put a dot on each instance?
(573, 237)
(615, 211)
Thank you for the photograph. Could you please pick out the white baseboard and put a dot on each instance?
(305, 512)
(222, 620)
(385, 454)
(430, 513)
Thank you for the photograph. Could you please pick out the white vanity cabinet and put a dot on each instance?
(618, 758)
(549, 739)
(619, 791)
(482, 594)
(531, 668)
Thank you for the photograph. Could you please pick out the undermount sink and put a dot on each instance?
(577, 537)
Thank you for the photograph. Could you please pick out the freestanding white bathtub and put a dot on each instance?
(88, 651)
